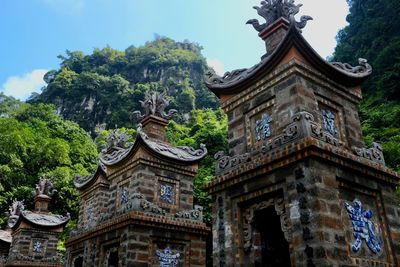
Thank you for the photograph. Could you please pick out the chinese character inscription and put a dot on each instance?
(124, 195)
(263, 127)
(167, 259)
(363, 227)
(329, 121)
(167, 193)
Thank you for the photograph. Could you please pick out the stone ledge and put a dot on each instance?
(299, 150)
(146, 220)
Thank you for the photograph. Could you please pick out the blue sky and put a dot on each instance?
(34, 32)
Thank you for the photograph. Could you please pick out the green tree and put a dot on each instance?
(36, 142)
(374, 33)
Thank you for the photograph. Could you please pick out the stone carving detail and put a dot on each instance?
(196, 214)
(154, 104)
(272, 10)
(303, 124)
(124, 198)
(263, 127)
(329, 121)
(375, 153)
(361, 70)
(318, 132)
(167, 258)
(16, 256)
(167, 193)
(45, 187)
(363, 227)
(117, 140)
(226, 162)
(248, 220)
(138, 202)
(37, 247)
(14, 211)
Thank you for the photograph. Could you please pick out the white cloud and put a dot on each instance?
(21, 87)
(217, 65)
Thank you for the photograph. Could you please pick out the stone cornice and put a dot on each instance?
(145, 220)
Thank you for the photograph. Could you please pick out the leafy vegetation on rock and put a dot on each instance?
(374, 33)
(102, 89)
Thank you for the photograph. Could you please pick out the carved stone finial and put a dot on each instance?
(117, 139)
(360, 70)
(16, 208)
(45, 187)
(154, 104)
(272, 10)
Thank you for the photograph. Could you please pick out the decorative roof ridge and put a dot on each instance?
(42, 220)
(5, 235)
(180, 153)
(342, 71)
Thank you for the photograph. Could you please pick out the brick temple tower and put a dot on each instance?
(137, 208)
(298, 187)
(34, 234)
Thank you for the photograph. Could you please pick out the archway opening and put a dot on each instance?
(273, 247)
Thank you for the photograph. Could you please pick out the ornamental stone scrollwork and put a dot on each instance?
(363, 227)
(272, 10)
(45, 187)
(14, 211)
(249, 215)
(363, 69)
(138, 202)
(329, 121)
(263, 127)
(317, 131)
(167, 258)
(154, 104)
(225, 162)
(375, 153)
(195, 214)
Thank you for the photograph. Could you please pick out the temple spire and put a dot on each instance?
(278, 16)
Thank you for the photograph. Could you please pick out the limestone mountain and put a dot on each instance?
(102, 89)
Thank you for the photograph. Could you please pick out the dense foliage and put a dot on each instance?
(374, 33)
(207, 127)
(35, 142)
(103, 88)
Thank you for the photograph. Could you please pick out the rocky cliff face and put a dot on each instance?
(101, 90)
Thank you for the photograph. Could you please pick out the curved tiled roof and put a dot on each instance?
(42, 220)
(5, 236)
(343, 73)
(181, 154)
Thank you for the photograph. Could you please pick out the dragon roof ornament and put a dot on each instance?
(154, 104)
(273, 10)
(14, 211)
(361, 70)
(117, 140)
(44, 188)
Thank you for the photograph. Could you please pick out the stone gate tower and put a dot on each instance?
(298, 187)
(137, 208)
